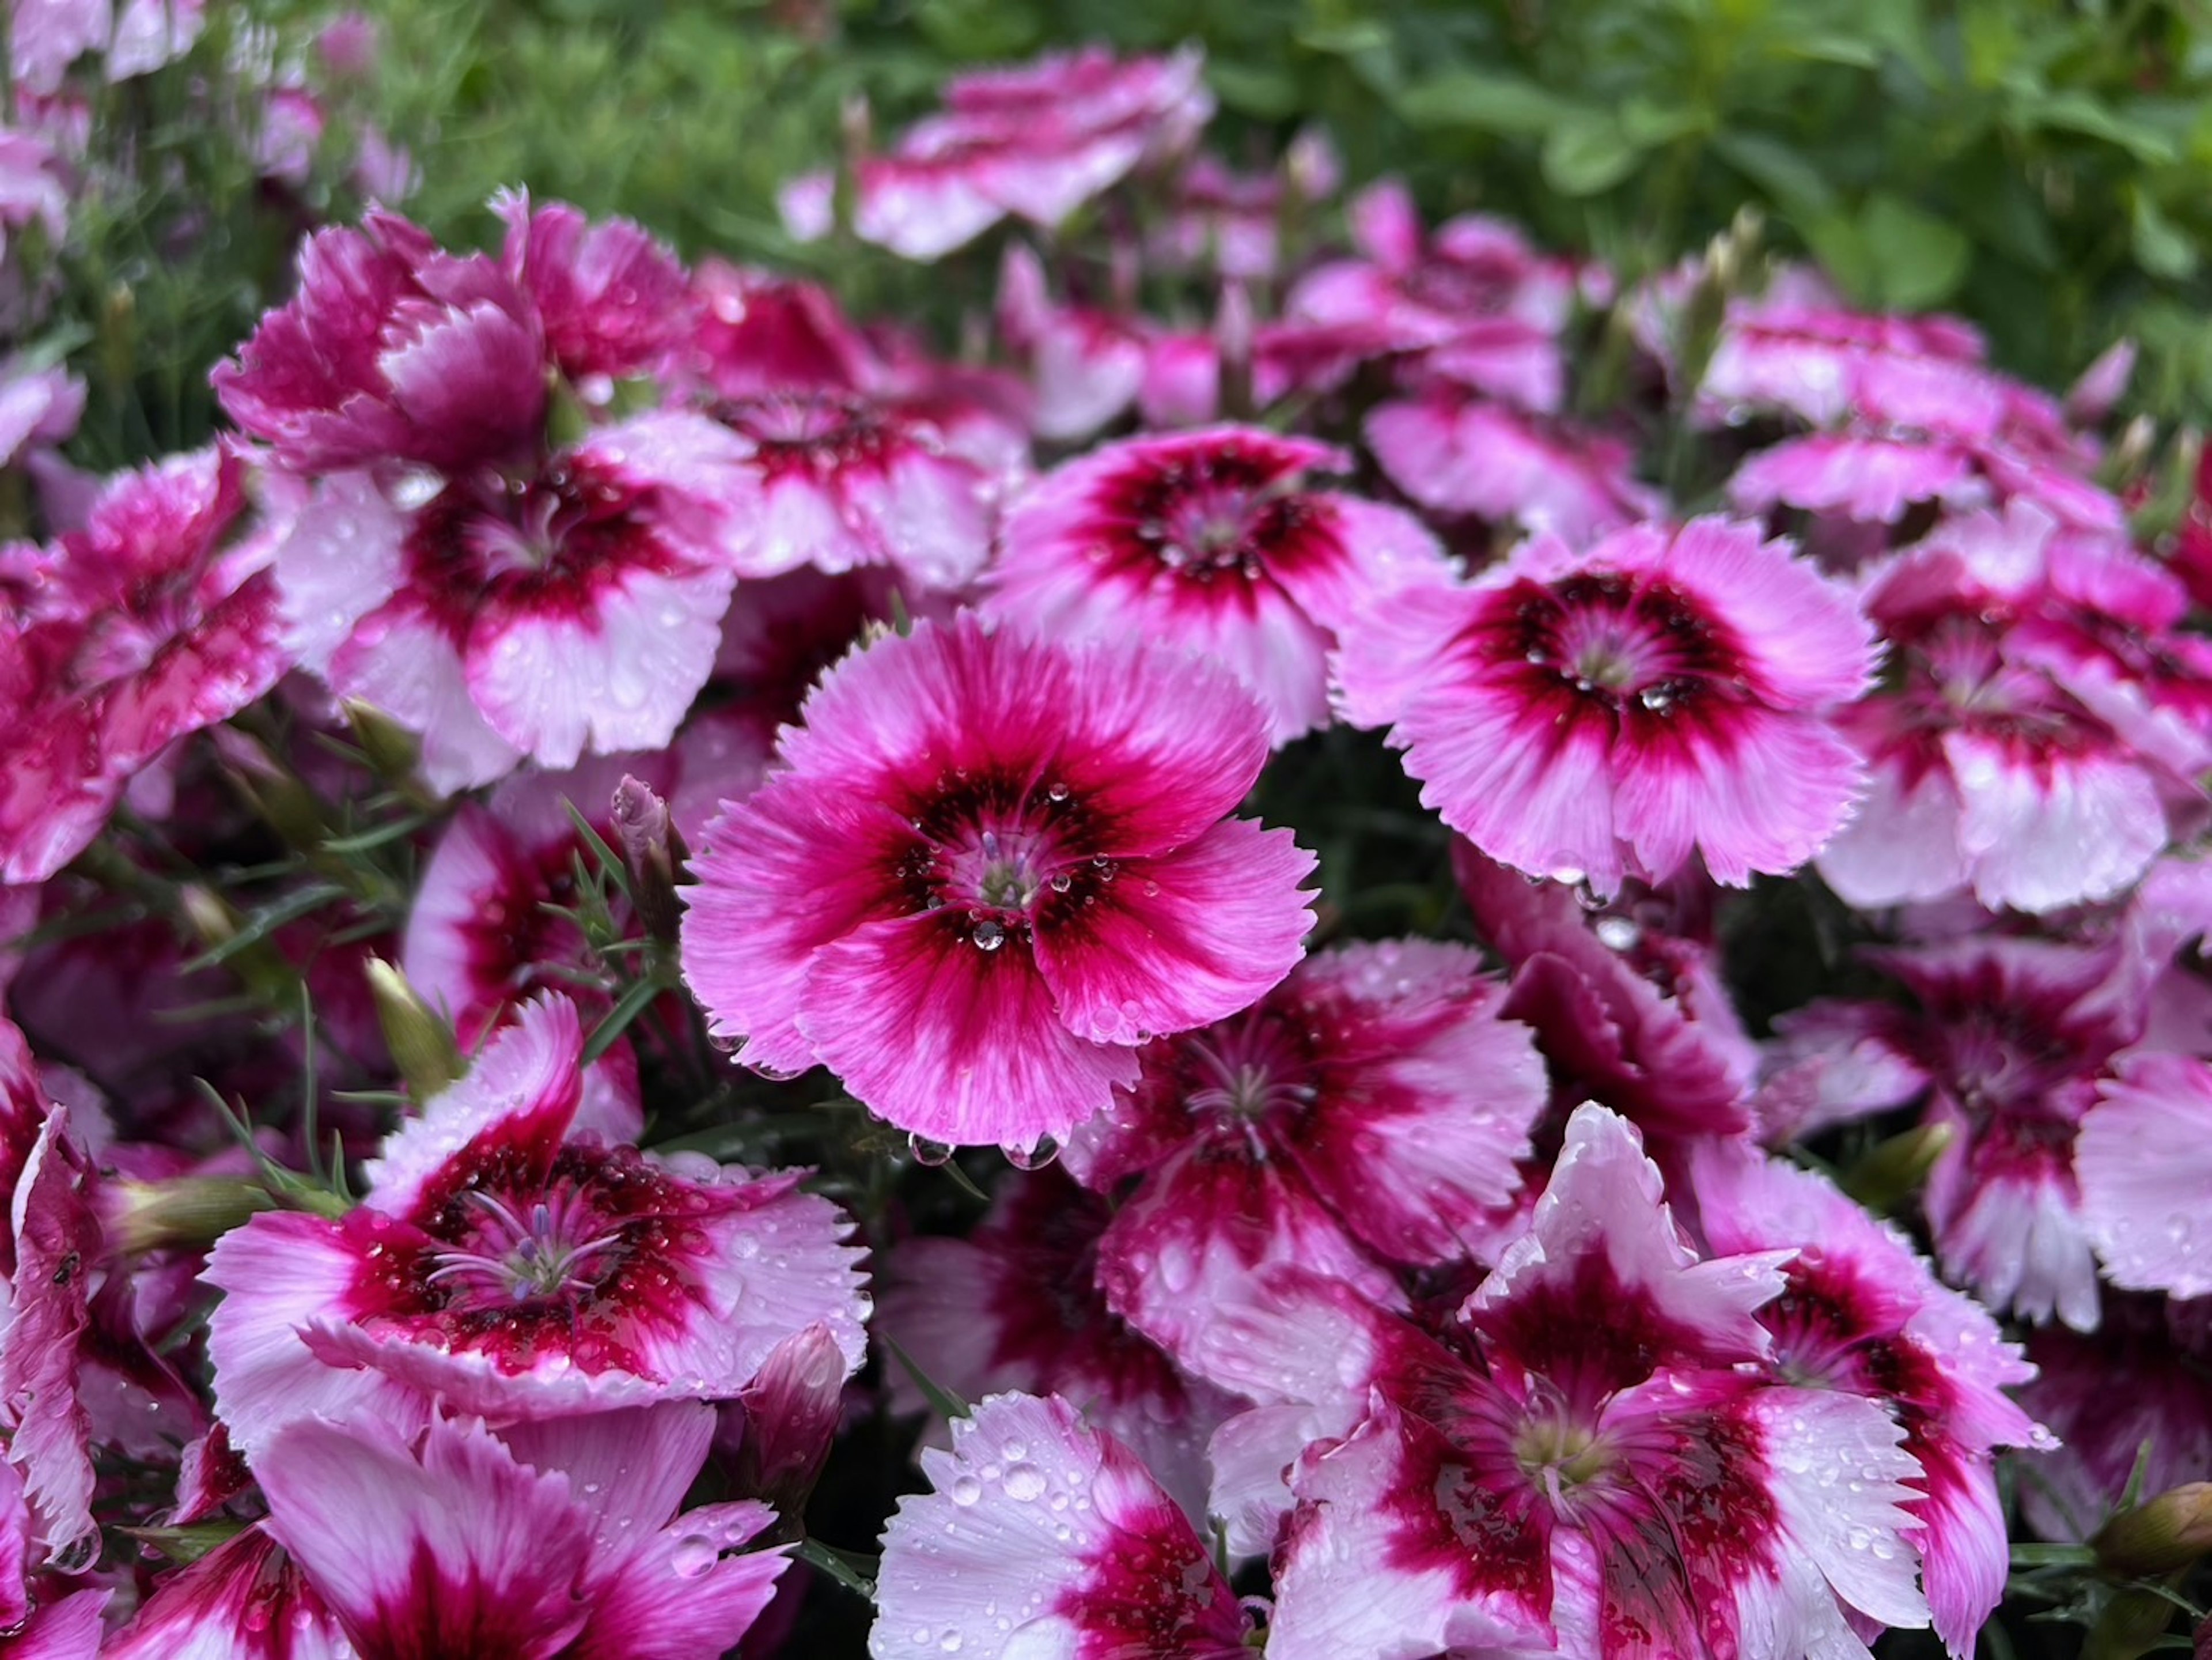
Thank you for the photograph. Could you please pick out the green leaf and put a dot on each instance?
(1840, 246)
(1266, 93)
(1484, 102)
(1587, 153)
(1795, 184)
(2077, 112)
(2161, 247)
(1917, 259)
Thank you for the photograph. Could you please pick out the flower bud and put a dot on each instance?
(422, 1045)
(1889, 1173)
(2158, 1535)
(785, 1419)
(654, 849)
(187, 1211)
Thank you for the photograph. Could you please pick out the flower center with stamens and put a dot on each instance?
(1619, 642)
(1248, 1071)
(553, 1249)
(1555, 1453)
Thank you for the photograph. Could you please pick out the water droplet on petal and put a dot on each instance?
(692, 1555)
(1024, 1482)
(965, 1489)
(929, 1152)
(987, 935)
(1035, 1157)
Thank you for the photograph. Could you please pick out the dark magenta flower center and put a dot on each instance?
(1618, 642)
(552, 1246)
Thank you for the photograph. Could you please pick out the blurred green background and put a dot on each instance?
(2041, 166)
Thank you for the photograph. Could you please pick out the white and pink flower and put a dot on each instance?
(1043, 1537)
(1862, 1314)
(510, 1263)
(1664, 693)
(156, 619)
(2042, 737)
(554, 1539)
(1369, 1113)
(1214, 540)
(1601, 1460)
(1016, 1305)
(1036, 140)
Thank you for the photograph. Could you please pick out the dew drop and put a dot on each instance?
(929, 1152)
(1035, 1157)
(965, 1489)
(1056, 790)
(1062, 883)
(692, 1555)
(987, 935)
(1025, 1483)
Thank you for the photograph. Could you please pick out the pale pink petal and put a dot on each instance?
(2144, 1161)
(1902, 843)
(2038, 838)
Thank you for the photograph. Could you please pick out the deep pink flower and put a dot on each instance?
(156, 619)
(1368, 1112)
(53, 1263)
(1601, 1461)
(1213, 540)
(2129, 1398)
(484, 933)
(1611, 712)
(509, 1265)
(1485, 307)
(610, 301)
(1042, 1536)
(1037, 140)
(989, 868)
(2144, 1162)
(562, 1539)
(1016, 1305)
(1461, 455)
(2011, 1039)
(1626, 1013)
(2044, 712)
(576, 614)
(245, 1600)
(1860, 1313)
(392, 350)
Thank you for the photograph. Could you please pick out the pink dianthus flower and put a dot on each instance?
(987, 870)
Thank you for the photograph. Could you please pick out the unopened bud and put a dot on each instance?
(2131, 1625)
(2091, 398)
(1890, 1172)
(190, 1211)
(1233, 331)
(785, 1419)
(2158, 1535)
(654, 849)
(392, 750)
(421, 1044)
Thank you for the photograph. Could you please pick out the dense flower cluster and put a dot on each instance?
(548, 870)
